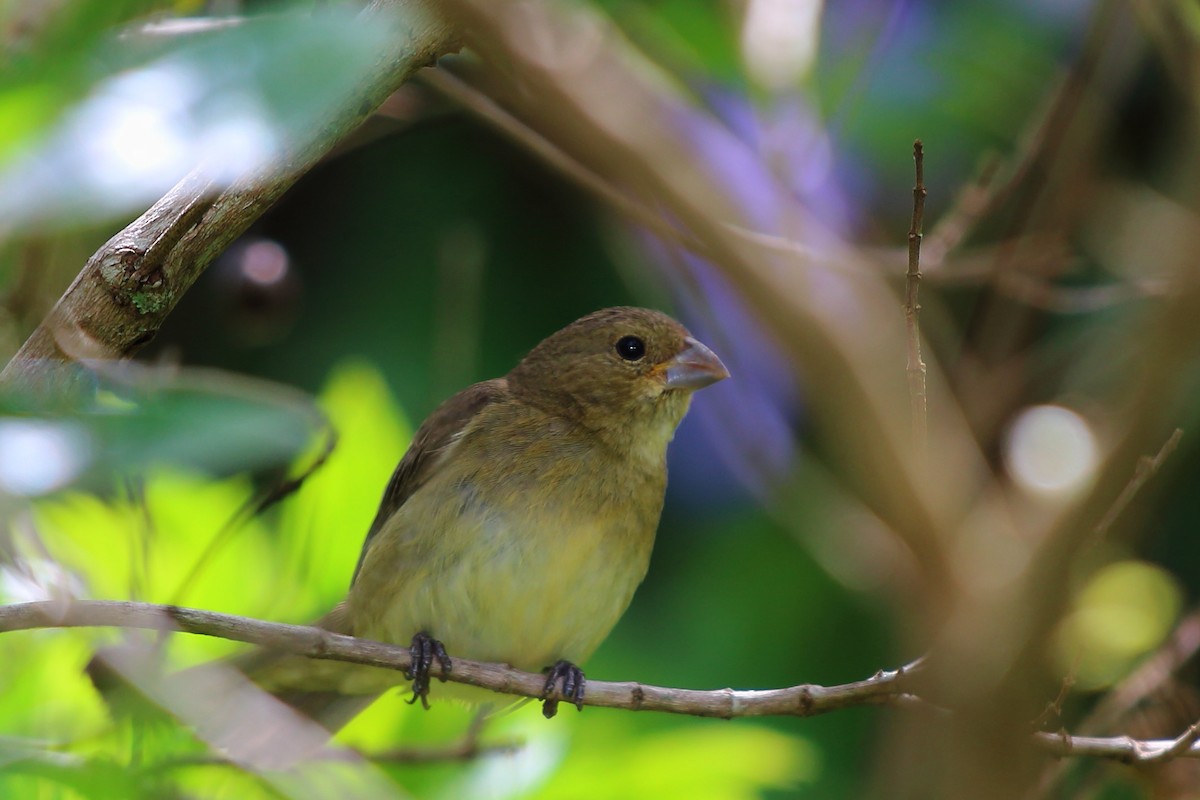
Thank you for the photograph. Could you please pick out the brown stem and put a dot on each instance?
(912, 308)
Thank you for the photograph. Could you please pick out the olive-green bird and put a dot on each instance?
(520, 521)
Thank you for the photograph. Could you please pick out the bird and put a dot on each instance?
(520, 520)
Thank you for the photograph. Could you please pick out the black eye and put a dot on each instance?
(631, 348)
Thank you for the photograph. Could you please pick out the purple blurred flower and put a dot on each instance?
(765, 160)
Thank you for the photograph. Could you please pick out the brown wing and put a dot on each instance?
(431, 440)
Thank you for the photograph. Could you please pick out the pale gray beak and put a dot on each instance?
(694, 367)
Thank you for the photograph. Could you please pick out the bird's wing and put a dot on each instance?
(431, 441)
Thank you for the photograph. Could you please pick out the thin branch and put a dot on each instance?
(1139, 684)
(912, 308)
(1146, 469)
(1181, 746)
(976, 267)
(805, 700)
(969, 205)
(487, 109)
(475, 101)
(128, 287)
(885, 687)
(1125, 749)
(1148, 677)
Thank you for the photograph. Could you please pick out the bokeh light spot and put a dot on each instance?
(1123, 612)
(37, 456)
(1051, 450)
(264, 262)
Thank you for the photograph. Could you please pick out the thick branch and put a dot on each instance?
(128, 287)
(805, 700)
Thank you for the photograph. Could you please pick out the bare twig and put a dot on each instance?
(971, 202)
(475, 101)
(1146, 469)
(804, 700)
(912, 308)
(1148, 677)
(1139, 684)
(975, 267)
(492, 112)
(1125, 749)
(1181, 746)
(1054, 708)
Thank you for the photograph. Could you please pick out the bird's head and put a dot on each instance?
(626, 373)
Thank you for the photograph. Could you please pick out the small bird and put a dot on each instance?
(520, 521)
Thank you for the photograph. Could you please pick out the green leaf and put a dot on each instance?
(717, 761)
(233, 100)
(323, 527)
(132, 419)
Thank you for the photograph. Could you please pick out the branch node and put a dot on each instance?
(912, 308)
(805, 701)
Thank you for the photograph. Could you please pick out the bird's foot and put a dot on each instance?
(424, 649)
(573, 682)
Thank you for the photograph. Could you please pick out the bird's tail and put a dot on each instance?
(331, 693)
(331, 710)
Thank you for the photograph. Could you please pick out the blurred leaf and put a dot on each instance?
(234, 99)
(699, 39)
(611, 756)
(46, 695)
(130, 419)
(43, 774)
(120, 550)
(323, 527)
(47, 60)
(144, 541)
(145, 544)
(24, 111)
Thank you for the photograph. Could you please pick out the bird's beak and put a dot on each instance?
(694, 367)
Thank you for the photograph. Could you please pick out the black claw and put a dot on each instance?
(423, 650)
(573, 684)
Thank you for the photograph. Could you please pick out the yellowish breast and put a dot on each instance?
(525, 565)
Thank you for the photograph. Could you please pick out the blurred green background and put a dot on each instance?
(429, 252)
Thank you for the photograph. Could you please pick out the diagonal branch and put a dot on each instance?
(128, 287)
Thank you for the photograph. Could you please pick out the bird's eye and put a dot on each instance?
(631, 348)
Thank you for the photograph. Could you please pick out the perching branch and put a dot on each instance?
(805, 700)
(128, 287)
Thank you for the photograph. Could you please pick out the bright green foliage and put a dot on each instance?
(706, 759)
(322, 529)
(168, 541)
